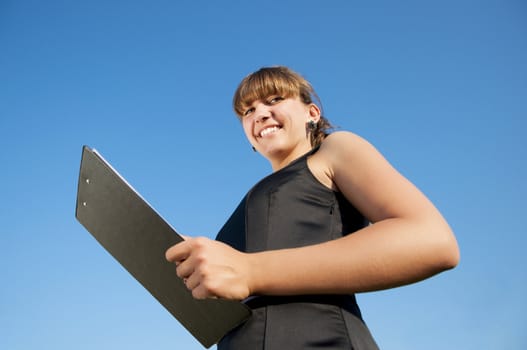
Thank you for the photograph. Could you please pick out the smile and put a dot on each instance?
(269, 130)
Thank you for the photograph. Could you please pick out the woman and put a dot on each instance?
(333, 219)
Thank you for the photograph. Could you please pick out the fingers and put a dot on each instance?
(194, 280)
(178, 252)
(182, 255)
(210, 269)
(199, 284)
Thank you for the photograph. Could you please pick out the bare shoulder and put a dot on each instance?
(342, 138)
(344, 146)
(337, 149)
(368, 180)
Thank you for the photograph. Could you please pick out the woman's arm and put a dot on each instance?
(408, 241)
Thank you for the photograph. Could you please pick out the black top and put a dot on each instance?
(291, 208)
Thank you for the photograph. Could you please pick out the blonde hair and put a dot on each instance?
(284, 82)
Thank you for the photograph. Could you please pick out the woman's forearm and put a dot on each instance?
(390, 253)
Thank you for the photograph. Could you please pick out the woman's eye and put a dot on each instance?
(248, 111)
(275, 99)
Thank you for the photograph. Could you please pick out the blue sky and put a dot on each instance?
(439, 87)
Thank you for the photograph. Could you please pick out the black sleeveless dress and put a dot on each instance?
(291, 208)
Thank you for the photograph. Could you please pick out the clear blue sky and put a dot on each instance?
(440, 87)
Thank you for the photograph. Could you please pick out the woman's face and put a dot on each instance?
(276, 127)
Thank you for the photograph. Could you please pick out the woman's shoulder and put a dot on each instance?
(344, 149)
(336, 150)
(342, 141)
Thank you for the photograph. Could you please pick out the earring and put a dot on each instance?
(254, 149)
(311, 125)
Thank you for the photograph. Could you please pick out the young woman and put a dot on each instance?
(333, 219)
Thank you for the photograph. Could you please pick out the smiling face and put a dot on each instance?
(274, 104)
(276, 127)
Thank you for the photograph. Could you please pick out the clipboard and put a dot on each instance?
(137, 237)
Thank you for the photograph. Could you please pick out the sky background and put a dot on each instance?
(439, 87)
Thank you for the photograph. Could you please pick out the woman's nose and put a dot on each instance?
(262, 113)
(260, 118)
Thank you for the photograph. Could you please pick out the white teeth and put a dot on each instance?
(268, 131)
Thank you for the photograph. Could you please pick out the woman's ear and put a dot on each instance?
(314, 113)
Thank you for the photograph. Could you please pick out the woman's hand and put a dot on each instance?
(211, 269)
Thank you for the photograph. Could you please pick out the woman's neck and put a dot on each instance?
(279, 162)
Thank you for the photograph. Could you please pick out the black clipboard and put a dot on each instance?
(137, 237)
